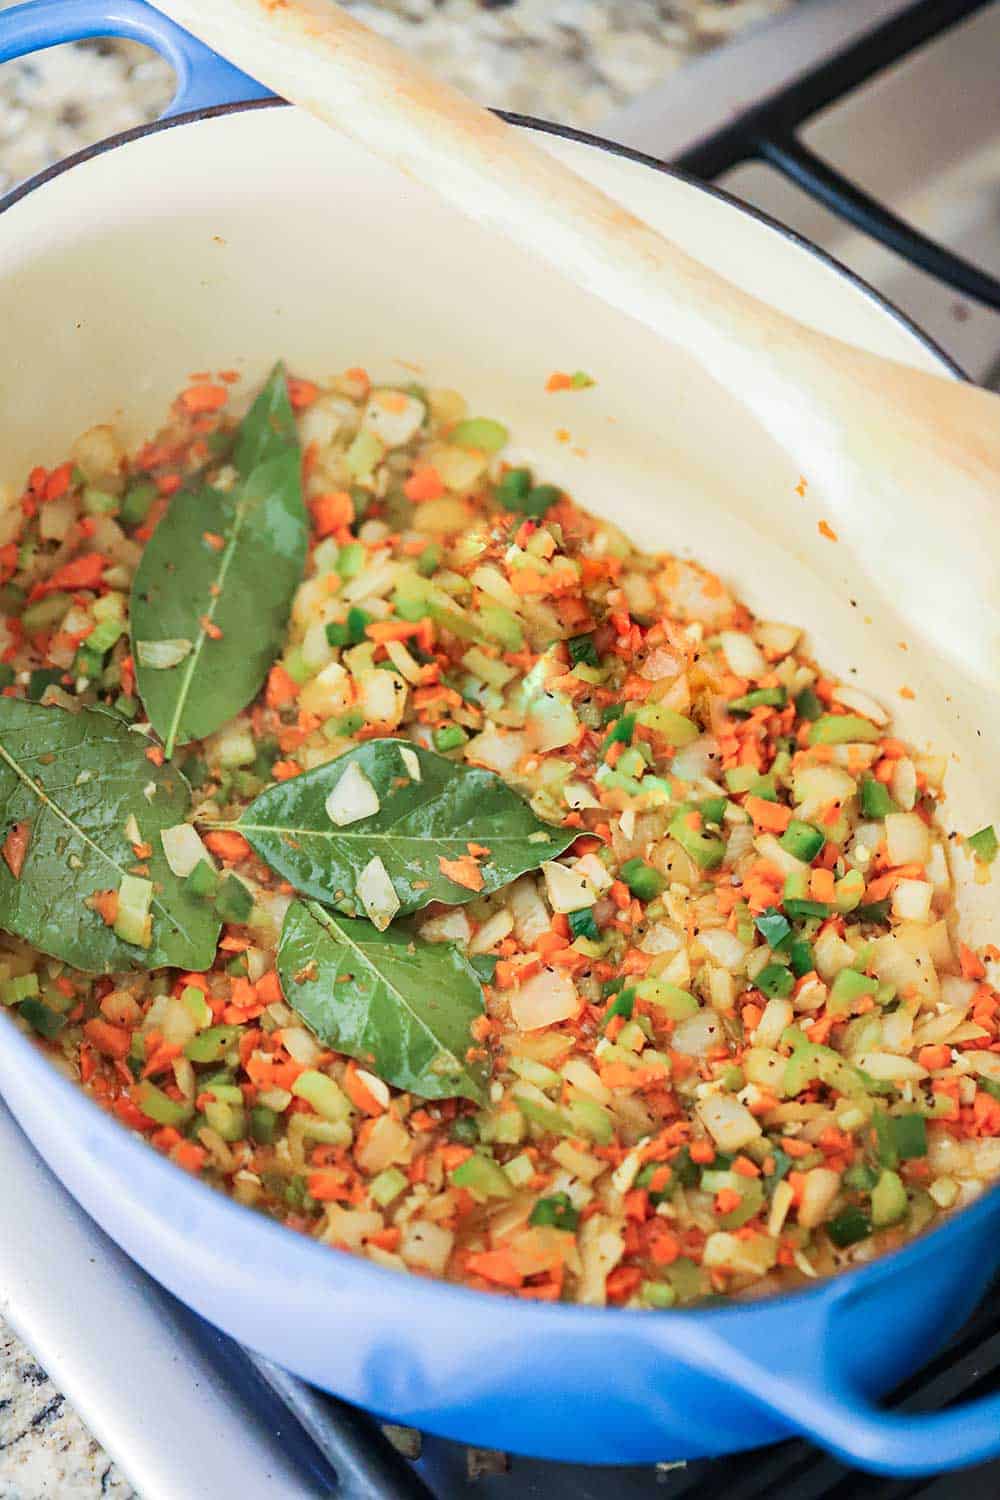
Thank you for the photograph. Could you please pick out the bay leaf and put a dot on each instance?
(75, 779)
(401, 1006)
(419, 822)
(220, 571)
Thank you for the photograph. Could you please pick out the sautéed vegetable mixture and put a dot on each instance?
(398, 849)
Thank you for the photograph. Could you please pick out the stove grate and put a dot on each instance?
(768, 132)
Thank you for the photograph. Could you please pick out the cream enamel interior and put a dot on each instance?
(232, 240)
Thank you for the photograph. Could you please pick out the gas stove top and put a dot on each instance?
(872, 127)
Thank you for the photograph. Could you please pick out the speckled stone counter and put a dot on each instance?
(567, 60)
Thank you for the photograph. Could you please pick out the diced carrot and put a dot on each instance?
(744, 1167)
(774, 817)
(425, 483)
(112, 1041)
(463, 871)
(702, 1152)
(15, 847)
(281, 688)
(82, 573)
(301, 393)
(821, 885)
(970, 963)
(58, 482)
(934, 1057)
(284, 770)
(189, 1156)
(559, 381)
(331, 512)
(381, 631)
(105, 903)
(230, 846)
(495, 1265)
(358, 1092)
(727, 1200)
(203, 398)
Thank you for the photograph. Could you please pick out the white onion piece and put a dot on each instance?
(353, 798)
(695, 1036)
(378, 894)
(907, 838)
(860, 703)
(450, 927)
(183, 849)
(411, 762)
(728, 1122)
(743, 654)
(566, 889)
(497, 749)
(724, 946)
(661, 938)
(545, 998)
(493, 931)
(911, 900)
(777, 1015)
(696, 760)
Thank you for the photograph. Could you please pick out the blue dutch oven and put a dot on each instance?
(232, 231)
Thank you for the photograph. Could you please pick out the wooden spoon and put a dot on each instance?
(895, 456)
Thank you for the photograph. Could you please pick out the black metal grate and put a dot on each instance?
(368, 1465)
(768, 132)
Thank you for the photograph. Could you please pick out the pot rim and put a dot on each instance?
(855, 1279)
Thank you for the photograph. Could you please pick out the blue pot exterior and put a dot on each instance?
(584, 1384)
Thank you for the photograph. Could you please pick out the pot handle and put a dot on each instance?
(203, 78)
(827, 1409)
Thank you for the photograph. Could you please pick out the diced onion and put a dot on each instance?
(352, 799)
(860, 703)
(493, 931)
(907, 839)
(411, 762)
(450, 927)
(911, 900)
(566, 889)
(743, 654)
(819, 1189)
(724, 946)
(183, 849)
(497, 749)
(162, 654)
(697, 1035)
(889, 1067)
(545, 998)
(777, 1015)
(728, 1122)
(378, 894)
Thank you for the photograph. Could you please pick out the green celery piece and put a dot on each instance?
(481, 1175)
(843, 729)
(706, 849)
(889, 1202)
(849, 1226)
(849, 986)
(984, 844)
(875, 799)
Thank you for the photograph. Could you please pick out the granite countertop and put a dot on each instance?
(567, 60)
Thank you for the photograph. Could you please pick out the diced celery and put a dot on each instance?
(706, 849)
(591, 1119)
(41, 1017)
(483, 1177)
(326, 1097)
(211, 1045)
(848, 987)
(481, 433)
(196, 1005)
(263, 1123)
(228, 1120)
(674, 727)
(670, 998)
(658, 1293)
(45, 613)
(387, 1186)
(160, 1107)
(843, 729)
(13, 991)
(497, 623)
(133, 923)
(889, 1202)
(365, 452)
(351, 559)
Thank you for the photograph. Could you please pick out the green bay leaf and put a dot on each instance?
(76, 778)
(231, 601)
(401, 1006)
(419, 823)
